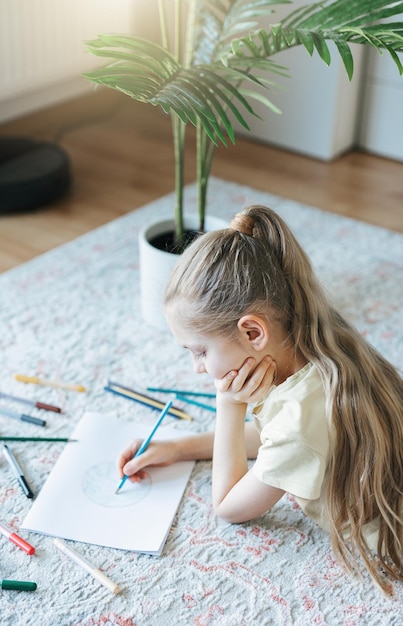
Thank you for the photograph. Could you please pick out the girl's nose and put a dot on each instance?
(199, 368)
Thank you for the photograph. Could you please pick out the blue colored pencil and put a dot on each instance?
(182, 392)
(202, 405)
(146, 442)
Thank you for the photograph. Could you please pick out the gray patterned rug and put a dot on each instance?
(73, 315)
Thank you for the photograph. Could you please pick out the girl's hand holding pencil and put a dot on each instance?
(158, 454)
(164, 452)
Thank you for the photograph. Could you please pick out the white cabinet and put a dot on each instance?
(319, 105)
(381, 116)
(324, 115)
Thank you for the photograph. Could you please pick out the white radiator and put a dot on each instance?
(42, 47)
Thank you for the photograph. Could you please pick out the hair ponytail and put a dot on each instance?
(364, 481)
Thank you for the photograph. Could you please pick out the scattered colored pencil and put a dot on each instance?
(184, 396)
(182, 392)
(17, 540)
(202, 405)
(51, 383)
(80, 560)
(22, 481)
(66, 439)
(38, 405)
(23, 417)
(152, 403)
(18, 585)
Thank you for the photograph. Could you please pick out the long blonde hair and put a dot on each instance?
(226, 273)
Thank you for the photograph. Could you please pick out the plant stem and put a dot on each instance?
(204, 158)
(178, 132)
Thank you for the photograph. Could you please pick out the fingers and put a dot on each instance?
(262, 379)
(270, 374)
(223, 384)
(251, 382)
(135, 466)
(124, 459)
(264, 371)
(158, 454)
(244, 373)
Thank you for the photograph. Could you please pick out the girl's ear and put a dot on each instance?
(254, 330)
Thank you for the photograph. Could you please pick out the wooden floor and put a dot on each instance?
(121, 159)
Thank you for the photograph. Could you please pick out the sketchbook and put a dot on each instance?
(78, 500)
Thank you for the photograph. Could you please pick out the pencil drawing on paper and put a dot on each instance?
(100, 482)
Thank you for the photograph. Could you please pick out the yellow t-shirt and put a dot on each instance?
(295, 437)
(296, 444)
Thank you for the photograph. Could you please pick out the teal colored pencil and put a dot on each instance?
(182, 392)
(208, 407)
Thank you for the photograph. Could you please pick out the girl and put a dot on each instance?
(328, 418)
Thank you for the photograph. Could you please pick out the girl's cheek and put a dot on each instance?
(217, 371)
(209, 369)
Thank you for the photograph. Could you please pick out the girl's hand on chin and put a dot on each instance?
(250, 383)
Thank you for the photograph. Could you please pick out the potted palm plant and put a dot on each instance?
(217, 62)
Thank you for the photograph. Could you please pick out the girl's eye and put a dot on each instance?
(199, 355)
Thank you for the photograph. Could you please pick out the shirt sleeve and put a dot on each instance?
(293, 454)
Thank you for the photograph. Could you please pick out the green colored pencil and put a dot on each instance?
(36, 439)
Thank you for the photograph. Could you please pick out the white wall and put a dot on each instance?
(42, 51)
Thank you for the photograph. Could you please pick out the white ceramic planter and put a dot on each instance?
(156, 266)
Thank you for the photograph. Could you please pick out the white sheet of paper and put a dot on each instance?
(78, 500)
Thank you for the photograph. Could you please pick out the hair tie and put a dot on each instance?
(243, 224)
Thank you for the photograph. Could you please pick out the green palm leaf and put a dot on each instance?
(341, 21)
(218, 22)
(148, 73)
